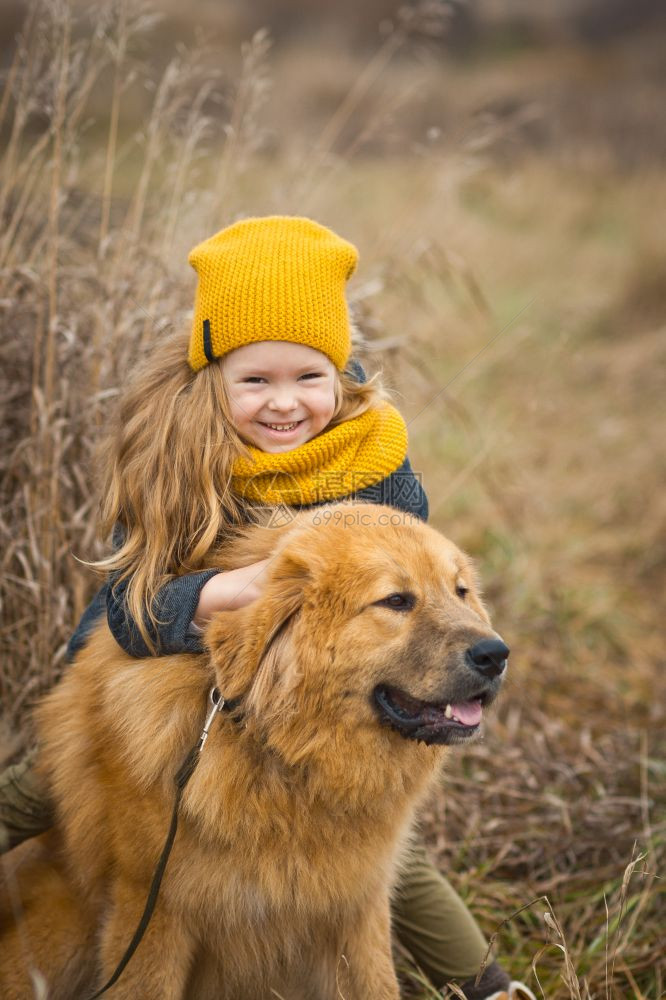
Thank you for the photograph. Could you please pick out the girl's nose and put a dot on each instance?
(282, 399)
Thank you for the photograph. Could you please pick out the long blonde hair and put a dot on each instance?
(166, 467)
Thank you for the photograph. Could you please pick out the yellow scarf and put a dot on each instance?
(355, 454)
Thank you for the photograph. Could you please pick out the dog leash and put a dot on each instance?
(183, 775)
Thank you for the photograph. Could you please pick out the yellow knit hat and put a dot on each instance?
(273, 278)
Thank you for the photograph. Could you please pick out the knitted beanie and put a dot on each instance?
(273, 278)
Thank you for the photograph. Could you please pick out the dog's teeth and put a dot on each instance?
(448, 712)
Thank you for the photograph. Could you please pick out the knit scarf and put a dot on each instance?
(357, 453)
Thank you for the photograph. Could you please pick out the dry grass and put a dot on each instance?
(519, 314)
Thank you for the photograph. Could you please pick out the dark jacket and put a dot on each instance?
(177, 600)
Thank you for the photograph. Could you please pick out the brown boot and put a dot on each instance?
(493, 983)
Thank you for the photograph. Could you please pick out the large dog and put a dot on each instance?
(368, 653)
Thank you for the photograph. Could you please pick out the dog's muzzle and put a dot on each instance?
(457, 718)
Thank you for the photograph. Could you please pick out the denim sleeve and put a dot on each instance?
(174, 609)
(90, 617)
(402, 490)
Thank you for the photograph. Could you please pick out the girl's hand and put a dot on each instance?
(229, 591)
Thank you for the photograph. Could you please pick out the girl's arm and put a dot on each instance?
(183, 602)
(174, 608)
(230, 590)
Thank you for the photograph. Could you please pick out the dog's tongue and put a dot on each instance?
(467, 712)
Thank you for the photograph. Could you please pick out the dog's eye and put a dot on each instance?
(400, 602)
(462, 591)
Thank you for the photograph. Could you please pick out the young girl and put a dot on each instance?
(263, 409)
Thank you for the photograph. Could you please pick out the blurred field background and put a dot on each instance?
(501, 168)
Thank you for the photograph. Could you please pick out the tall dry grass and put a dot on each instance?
(516, 307)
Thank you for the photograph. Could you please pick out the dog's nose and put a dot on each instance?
(488, 657)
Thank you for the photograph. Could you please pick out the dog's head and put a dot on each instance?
(369, 619)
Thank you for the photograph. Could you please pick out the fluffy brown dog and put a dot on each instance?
(367, 653)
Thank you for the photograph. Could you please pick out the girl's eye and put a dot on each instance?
(399, 602)
(256, 379)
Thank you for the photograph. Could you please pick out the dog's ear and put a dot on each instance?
(284, 592)
(277, 668)
(239, 641)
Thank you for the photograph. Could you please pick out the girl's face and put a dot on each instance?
(281, 394)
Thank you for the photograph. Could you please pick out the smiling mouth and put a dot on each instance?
(282, 428)
(430, 722)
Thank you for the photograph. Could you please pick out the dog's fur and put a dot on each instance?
(292, 825)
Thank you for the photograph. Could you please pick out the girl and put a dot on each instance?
(264, 408)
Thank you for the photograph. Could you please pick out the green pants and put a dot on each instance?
(24, 807)
(434, 925)
(431, 921)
